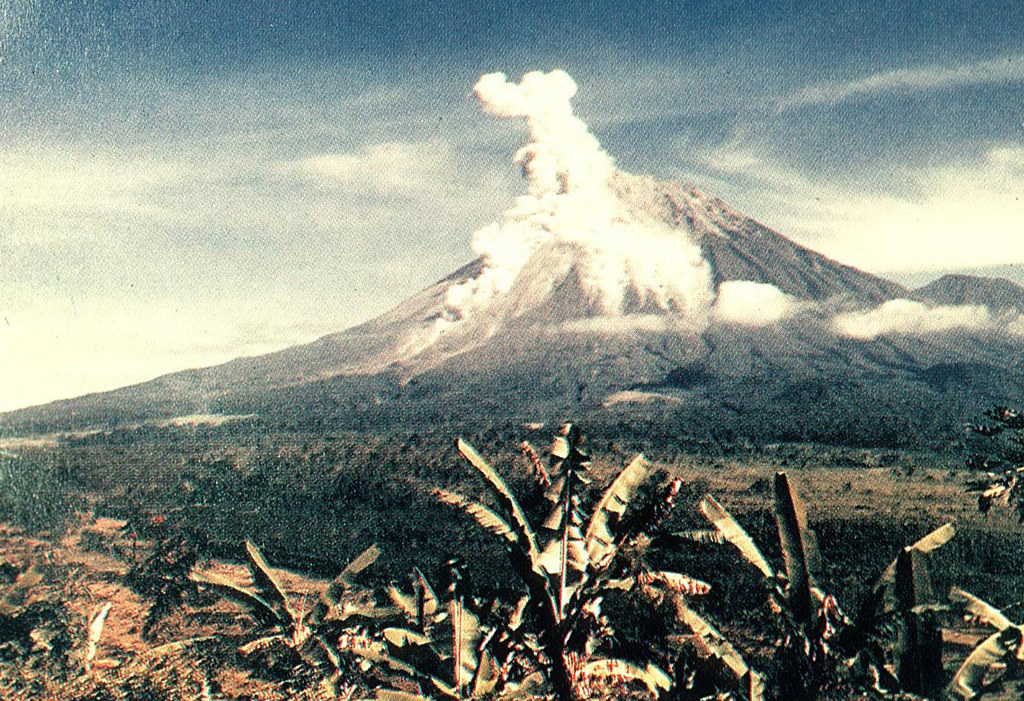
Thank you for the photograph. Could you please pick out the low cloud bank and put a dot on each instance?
(749, 303)
(912, 318)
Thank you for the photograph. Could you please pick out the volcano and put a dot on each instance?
(614, 296)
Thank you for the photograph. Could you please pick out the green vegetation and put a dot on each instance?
(36, 493)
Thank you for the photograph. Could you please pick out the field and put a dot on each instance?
(124, 516)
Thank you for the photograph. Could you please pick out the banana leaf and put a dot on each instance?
(358, 565)
(318, 654)
(733, 532)
(710, 641)
(969, 681)
(392, 695)
(405, 602)
(918, 651)
(652, 677)
(932, 541)
(600, 540)
(95, 633)
(791, 517)
(576, 553)
(403, 637)
(703, 537)
(679, 583)
(487, 519)
(980, 609)
(17, 592)
(331, 598)
(527, 538)
(267, 586)
(466, 638)
(260, 608)
(427, 602)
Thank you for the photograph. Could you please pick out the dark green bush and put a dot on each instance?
(36, 494)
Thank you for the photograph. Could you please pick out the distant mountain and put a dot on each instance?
(995, 293)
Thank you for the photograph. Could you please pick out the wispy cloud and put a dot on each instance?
(386, 167)
(1007, 69)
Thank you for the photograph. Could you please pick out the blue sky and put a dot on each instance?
(185, 182)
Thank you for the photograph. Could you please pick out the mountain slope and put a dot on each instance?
(739, 248)
(995, 293)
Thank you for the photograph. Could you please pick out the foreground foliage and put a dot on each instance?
(598, 606)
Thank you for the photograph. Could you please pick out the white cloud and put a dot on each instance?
(749, 303)
(386, 166)
(1006, 69)
(908, 317)
(960, 215)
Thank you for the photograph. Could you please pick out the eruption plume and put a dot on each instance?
(570, 204)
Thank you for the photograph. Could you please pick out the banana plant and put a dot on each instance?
(1000, 488)
(815, 626)
(902, 592)
(793, 592)
(567, 564)
(443, 645)
(1003, 650)
(712, 645)
(14, 595)
(305, 633)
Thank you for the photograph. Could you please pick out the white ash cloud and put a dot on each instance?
(570, 199)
